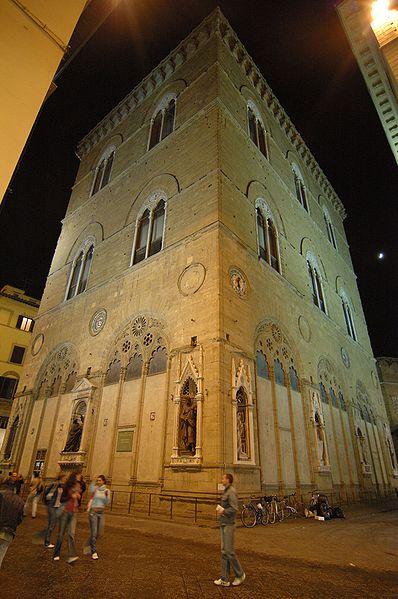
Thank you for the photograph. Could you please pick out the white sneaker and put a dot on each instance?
(238, 580)
(70, 560)
(222, 583)
(50, 546)
(95, 555)
(56, 558)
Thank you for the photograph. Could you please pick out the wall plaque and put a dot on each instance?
(125, 440)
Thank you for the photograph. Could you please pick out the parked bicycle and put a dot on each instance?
(253, 513)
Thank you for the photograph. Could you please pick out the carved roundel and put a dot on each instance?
(37, 344)
(345, 357)
(191, 279)
(139, 326)
(238, 281)
(98, 321)
(276, 333)
(304, 328)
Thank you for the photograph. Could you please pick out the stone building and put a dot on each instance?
(388, 375)
(201, 313)
(17, 318)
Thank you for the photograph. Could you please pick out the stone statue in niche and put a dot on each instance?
(362, 447)
(320, 437)
(241, 436)
(390, 448)
(75, 435)
(188, 426)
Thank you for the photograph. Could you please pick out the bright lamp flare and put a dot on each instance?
(380, 10)
(380, 255)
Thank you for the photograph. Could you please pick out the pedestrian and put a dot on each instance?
(19, 484)
(67, 520)
(80, 480)
(227, 514)
(11, 512)
(11, 481)
(53, 494)
(99, 499)
(35, 490)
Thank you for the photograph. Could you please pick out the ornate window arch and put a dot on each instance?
(318, 296)
(102, 173)
(300, 188)
(80, 270)
(348, 314)
(163, 120)
(256, 128)
(150, 228)
(329, 227)
(267, 235)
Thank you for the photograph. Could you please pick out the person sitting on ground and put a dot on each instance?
(100, 498)
(11, 512)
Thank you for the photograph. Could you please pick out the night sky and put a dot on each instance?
(300, 48)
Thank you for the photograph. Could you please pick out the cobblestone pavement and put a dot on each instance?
(148, 559)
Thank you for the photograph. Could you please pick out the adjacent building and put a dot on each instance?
(372, 30)
(18, 312)
(388, 375)
(201, 313)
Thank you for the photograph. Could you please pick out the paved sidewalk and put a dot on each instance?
(154, 559)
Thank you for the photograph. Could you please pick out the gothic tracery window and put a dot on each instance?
(348, 318)
(162, 123)
(316, 285)
(80, 272)
(103, 171)
(262, 365)
(158, 361)
(149, 233)
(267, 240)
(329, 228)
(279, 373)
(293, 378)
(256, 130)
(301, 192)
(112, 375)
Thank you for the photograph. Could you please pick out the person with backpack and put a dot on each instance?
(53, 495)
(100, 497)
(35, 490)
(11, 513)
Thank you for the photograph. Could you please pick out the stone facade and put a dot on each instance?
(388, 375)
(217, 340)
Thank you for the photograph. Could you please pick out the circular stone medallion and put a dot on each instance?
(37, 344)
(98, 321)
(238, 281)
(191, 279)
(345, 357)
(304, 328)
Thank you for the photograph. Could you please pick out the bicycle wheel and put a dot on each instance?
(248, 516)
(265, 516)
(281, 514)
(271, 514)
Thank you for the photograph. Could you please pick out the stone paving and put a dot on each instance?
(151, 559)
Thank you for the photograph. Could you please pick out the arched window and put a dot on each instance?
(299, 186)
(158, 361)
(256, 129)
(112, 375)
(348, 318)
(242, 420)
(103, 171)
(155, 244)
(324, 396)
(149, 233)
(262, 366)
(162, 123)
(333, 397)
(11, 438)
(267, 240)
(279, 373)
(343, 405)
(329, 228)
(80, 271)
(294, 381)
(134, 368)
(316, 285)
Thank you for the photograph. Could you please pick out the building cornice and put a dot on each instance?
(215, 23)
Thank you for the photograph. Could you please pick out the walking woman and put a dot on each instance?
(53, 495)
(100, 497)
(35, 490)
(67, 520)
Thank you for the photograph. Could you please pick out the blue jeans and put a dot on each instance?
(228, 555)
(54, 513)
(67, 522)
(97, 521)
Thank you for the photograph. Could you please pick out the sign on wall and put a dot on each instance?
(125, 440)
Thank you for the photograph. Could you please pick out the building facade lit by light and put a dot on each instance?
(372, 30)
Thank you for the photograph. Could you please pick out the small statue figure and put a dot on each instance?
(241, 434)
(75, 436)
(188, 426)
(320, 433)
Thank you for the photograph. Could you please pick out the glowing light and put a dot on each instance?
(380, 256)
(380, 10)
